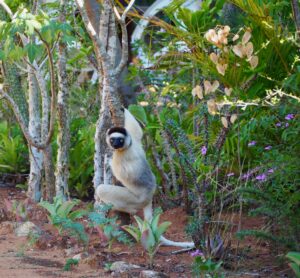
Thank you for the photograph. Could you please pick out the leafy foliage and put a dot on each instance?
(148, 233)
(107, 226)
(13, 152)
(294, 257)
(63, 218)
(70, 263)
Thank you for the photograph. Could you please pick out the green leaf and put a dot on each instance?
(66, 207)
(161, 229)
(2, 55)
(31, 25)
(148, 240)
(296, 269)
(32, 50)
(139, 113)
(133, 231)
(154, 222)
(140, 222)
(77, 214)
(16, 52)
(294, 256)
(49, 207)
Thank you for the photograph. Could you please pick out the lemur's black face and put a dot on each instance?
(117, 138)
(116, 141)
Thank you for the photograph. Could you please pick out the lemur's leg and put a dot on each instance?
(121, 198)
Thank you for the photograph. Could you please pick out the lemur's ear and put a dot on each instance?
(121, 130)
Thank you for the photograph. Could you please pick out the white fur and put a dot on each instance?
(128, 162)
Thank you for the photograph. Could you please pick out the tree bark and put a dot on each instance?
(296, 15)
(36, 156)
(63, 139)
(109, 71)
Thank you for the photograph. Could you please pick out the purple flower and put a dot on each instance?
(278, 124)
(286, 124)
(271, 171)
(197, 253)
(203, 150)
(230, 174)
(252, 143)
(261, 177)
(246, 176)
(268, 148)
(289, 117)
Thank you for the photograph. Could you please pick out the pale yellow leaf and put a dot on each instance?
(214, 57)
(235, 37)
(198, 91)
(207, 87)
(215, 85)
(221, 68)
(253, 61)
(248, 50)
(211, 107)
(224, 122)
(226, 29)
(238, 50)
(246, 37)
(211, 36)
(233, 118)
(228, 91)
(144, 103)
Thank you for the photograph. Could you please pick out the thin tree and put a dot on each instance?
(105, 42)
(39, 131)
(63, 138)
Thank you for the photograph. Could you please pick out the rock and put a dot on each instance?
(72, 250)
(80, 256)
(6, 228)
(26, 228)
(152, 274)
(121, 267)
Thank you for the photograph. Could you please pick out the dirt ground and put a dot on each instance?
(47, 255)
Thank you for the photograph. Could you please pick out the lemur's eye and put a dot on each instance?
(111, 140)
(121, 140)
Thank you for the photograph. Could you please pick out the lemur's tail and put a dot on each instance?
(168, 242)
(148, 216)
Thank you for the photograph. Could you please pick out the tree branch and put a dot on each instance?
(92, 32)
(52, 85)
(122, 22)
(6, 8)
(296, 14)
(20, 120)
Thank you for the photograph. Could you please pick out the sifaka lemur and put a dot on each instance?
(131, 168)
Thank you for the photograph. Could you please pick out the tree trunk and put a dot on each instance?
(63, 140)
(36, 156)
(49, 173)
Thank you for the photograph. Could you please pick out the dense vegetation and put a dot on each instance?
(218, 96)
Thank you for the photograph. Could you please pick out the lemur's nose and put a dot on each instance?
(116, 144)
